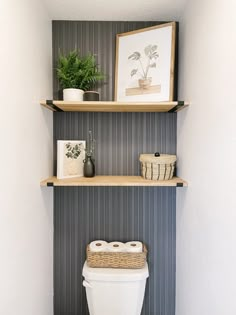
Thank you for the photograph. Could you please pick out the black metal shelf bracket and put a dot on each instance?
(50, 184)
(53, 106)
(175, 108)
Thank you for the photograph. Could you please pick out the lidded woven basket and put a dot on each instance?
(157, 167)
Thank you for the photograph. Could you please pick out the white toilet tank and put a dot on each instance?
(115, 291)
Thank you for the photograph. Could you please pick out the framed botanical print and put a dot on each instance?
(145, 62)
(70, 157)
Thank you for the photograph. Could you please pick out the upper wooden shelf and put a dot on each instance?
(72, 106)
(112, 181)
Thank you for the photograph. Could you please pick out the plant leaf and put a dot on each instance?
(148, 50)
(153, 65)
(154, 47)
(154, 55)
(135, 56)
(133, 72)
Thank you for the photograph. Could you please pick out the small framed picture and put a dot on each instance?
(145, 61)
(70, 156)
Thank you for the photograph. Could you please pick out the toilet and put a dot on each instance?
(112, 291)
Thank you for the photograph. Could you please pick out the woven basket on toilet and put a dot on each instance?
(157, 166)
(123, 260)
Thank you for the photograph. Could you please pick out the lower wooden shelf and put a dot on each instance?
(112, 181)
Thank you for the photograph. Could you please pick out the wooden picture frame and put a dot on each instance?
(145, 61)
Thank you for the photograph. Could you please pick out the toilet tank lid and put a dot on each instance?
(113, 274)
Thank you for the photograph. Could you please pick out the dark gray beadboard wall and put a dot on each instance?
(82, 214)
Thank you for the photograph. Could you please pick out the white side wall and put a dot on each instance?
(206, 210)
(25, 158)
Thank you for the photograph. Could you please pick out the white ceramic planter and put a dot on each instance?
(73, 95)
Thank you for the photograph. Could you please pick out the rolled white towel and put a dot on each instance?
(98, 246)
(116, 247)
(134, 247)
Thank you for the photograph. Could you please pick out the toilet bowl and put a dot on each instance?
(115, 291)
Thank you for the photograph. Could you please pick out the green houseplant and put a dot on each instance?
(77, 74)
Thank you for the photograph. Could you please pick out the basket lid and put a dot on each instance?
(162, 159)
(114, 274)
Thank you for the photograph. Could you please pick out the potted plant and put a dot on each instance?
(151, 55)
(77, 74)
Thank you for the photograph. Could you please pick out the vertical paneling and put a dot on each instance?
(82, 214)
(120, 137)
(125, 213)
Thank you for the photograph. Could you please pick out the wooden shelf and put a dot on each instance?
(112, 181)
(85, 106)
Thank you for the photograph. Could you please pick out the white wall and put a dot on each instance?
(25, 157)
(206, 210)
(122, 10)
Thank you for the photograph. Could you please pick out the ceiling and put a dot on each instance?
(111, 10)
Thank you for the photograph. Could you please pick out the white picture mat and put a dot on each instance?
(161, 75)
